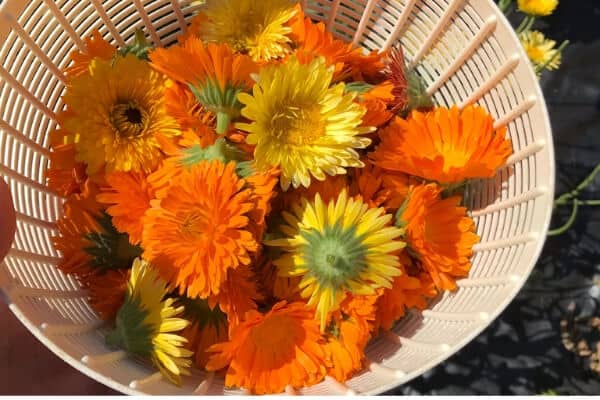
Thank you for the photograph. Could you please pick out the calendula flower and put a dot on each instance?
(262, 185)
(273, 286)
(367, 184)
(542, 52)
(208, 325)
(237, 295)
(329, 189)
(95, 47)
(127, 196)
(255, 27)
(301, 125)
(537, 8)
(349, 62)
(338, 248)
(347, 335)
(267, 352)
(118, 112)
(197, 229)
(147, 324)
(87, 240)
(214, 74)
(445, 145)
(65, 175)
(106, 291)
(440, 233)
(196, 122)
(406, 292)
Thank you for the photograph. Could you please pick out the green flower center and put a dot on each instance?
(335, 256)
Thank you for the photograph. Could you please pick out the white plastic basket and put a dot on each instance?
(466, 51)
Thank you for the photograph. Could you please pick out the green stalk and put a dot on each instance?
(223, 121)
(567, 197)
(504, 5)
(569, 223)
(526, 24)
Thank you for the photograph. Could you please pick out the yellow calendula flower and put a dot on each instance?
(541, 51)
(117, 111)
(338, 248)
(147, 324)
(537, 8)
(254, 27)
(301, 125)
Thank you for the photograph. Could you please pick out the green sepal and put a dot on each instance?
(198, 311)
(358, 87)
(398, 221)
(110, 249)
(244, 169)
(418, 98)
(222, 150)
(140, 47)
(131, 333)
(336, 255)
(222, 102)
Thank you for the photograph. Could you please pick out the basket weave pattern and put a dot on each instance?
(465, 50)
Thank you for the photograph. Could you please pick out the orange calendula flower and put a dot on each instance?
(267, 352)
(87, 240)
(213, 72)
(329, 190)
(208, 325)
(238, 295)
(127, 196)
(263, 186)
(198, 228)
(273, 286)
(440, 233)
(445, 145)
(106, 291)
(378, 101)
(406, 292)
(347, 335)
(95, 47)
(313, 40)
(65, 175)
(195, 121)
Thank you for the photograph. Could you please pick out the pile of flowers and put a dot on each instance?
(261, 199)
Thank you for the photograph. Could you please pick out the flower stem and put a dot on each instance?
(569, 223)
(223, 120)
(526, 24)
(567, 197)
(504, 5)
